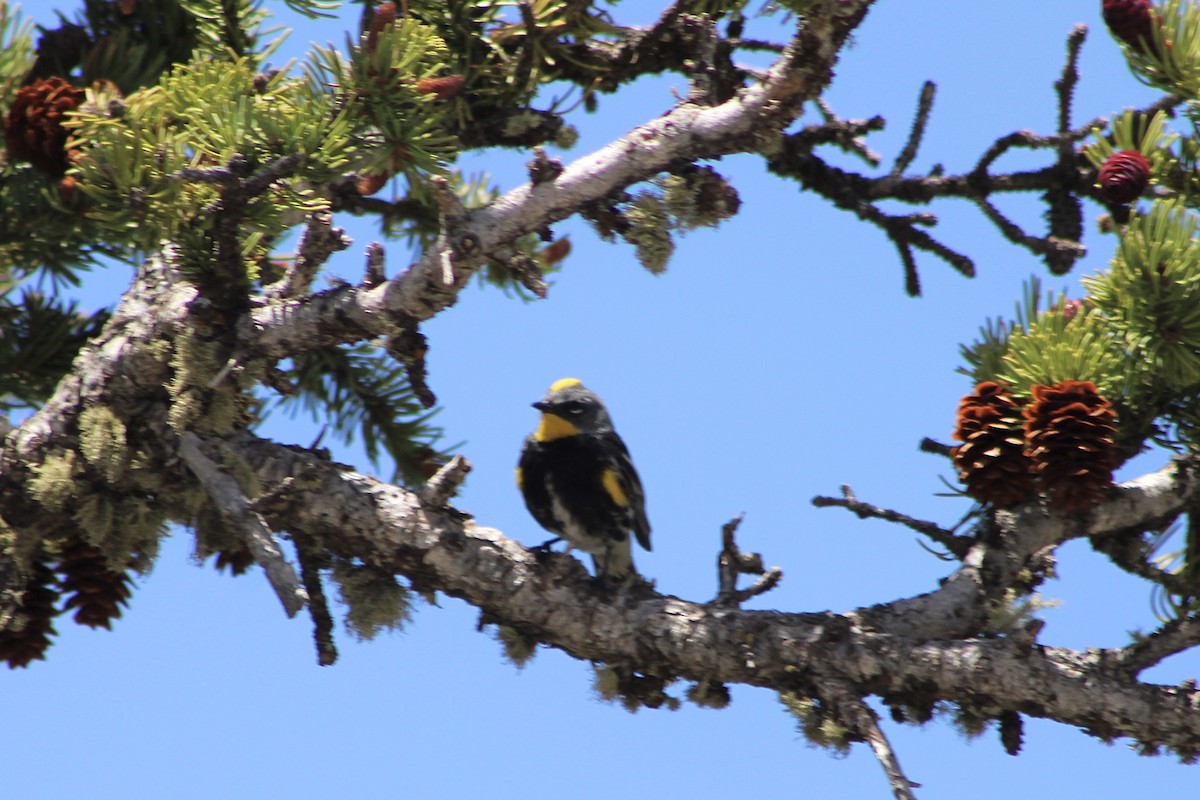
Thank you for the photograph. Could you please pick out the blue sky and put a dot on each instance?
(777, 359)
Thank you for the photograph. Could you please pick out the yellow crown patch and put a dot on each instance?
(565, 383)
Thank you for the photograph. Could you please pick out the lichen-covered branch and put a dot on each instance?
(672, 638)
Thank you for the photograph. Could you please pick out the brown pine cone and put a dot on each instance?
(96, 591)
(991, 459)
(30, 631)
(1071, 430)
(33, 129)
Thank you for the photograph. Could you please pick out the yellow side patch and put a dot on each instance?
(551, 427)
(520, 479)
(565, 383)
(612, 485)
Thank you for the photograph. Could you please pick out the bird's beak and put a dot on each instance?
(541, 405)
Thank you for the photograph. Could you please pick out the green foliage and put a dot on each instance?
(1151, 295)
(41, 337)
(365, 391)
(16, 51)
(504, 60)
(405, 128)
(226, 26)
(39, 233)
(1171, 58)
(1058, 347)
(1132, 131)
(984, 358)
(202, 115)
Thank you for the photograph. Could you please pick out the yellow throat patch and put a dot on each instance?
(551, 427)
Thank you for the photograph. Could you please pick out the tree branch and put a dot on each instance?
(686, 133)
(957, 545)
(670, 637)
(235, 508)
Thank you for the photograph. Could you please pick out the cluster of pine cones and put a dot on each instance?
(95, 591)
(1061, 442)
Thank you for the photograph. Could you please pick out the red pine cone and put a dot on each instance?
(33, 129)
(1124, 177)
(384, 15)
(28, 639)
(1129, 21)
(1071, 430)
(96, 591)
(991, 459)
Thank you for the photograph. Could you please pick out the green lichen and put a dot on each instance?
(95, 514)
(102, 441)
(53, 483)
(519, 649)
(375, 601)
(649, 232)
(970, 722)
(709, 694)
(197, 406)
(125, 529)
(699, 198)
(815, 722)
(566, 137)
(237, 468)
(1015, 610)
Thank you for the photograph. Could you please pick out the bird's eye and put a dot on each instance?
(574, 409)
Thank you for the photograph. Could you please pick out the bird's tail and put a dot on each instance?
(616, 562)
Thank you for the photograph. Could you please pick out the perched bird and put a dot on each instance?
(579, 482)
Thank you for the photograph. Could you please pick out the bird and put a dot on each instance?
(579, 482)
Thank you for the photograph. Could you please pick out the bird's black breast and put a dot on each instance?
(570, 470)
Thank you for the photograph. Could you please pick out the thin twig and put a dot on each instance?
(409, 347)
(438, 490)
(1065, 85)
(375, 273)
(1173, 637)
(1130, 553)
(917, 132)
(851, 144)
(935, 447)
(1039, 245)
(958, 545)
(310, 558)
(320, 241)
(732, 562)
(235, 509)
